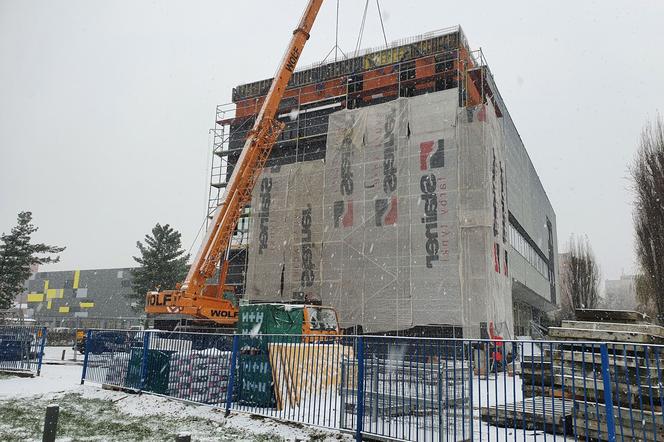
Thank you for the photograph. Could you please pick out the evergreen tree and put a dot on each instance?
(17, 254)
(162, 262)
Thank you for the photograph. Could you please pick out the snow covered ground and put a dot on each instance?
(89, 413)
(54, 354)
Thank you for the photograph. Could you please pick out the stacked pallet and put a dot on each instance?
(200, 376)
(573, 370)
(551, 415)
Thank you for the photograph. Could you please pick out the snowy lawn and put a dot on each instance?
(88, 413)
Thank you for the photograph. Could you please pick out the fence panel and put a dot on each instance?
(190, 366)
(293, 377)
(111, 357)
(399, 388)
(22, 348)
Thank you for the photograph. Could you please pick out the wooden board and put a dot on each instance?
(538, 413)
(654, 364)
(626, 437)
(651, 329)
(303, 370)
(591, 383)
(590, 372)
(617, 348)
(599, 430)
(581, 334)
(599, 315)
(623, 416)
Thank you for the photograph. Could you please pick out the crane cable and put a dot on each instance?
(382, 26)
(336, 34)
(336, 49)
(364, 19)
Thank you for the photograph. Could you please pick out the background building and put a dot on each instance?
(620, 294)
(81, 298)
(399, 192)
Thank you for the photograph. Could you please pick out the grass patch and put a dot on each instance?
(80, 419)
(83, 419)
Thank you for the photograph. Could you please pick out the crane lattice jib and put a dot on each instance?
(256, 150)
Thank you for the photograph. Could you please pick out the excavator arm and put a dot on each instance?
(192, 297)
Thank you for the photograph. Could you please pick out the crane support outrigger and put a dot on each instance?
(195, 297)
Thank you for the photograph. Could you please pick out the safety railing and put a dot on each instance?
(399, 388)
(22, 348)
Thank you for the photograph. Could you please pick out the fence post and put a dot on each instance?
(343, 392)
(439, 400)
(183, 437)
(608, 394)
(144, 360)
(360, 388)
(41, 350)
(374, 389)
(88, 336)
(231, 374)
(51, 423)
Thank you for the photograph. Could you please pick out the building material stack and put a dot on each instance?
(201, 376)
(574, 370)
(397, 390)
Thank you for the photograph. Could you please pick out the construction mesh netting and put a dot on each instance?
(403, 224)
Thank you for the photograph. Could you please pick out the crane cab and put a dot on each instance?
(287, 319)
(319, 320)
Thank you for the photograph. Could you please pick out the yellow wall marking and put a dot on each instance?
(87, 304)
(35, 297)
(77, 276)
(48, 305)
(45, 285)
(52, 293)
(63, 309)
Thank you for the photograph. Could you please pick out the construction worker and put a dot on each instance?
(497, 350)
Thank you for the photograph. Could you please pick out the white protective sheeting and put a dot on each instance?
(402, 226)
(269, 233)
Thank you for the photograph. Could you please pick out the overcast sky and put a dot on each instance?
(105, 106)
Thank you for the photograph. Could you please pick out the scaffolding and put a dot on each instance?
(431, 62)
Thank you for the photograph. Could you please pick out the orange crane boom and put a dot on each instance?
(191, 297)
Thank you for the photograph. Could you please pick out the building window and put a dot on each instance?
(523, 247)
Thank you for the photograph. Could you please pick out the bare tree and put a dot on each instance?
(579, 277)
(648, 176)
(645, 302)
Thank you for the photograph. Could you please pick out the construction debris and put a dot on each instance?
(571, 373)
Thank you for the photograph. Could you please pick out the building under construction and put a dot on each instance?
(399, 192)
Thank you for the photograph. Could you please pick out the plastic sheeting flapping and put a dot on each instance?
(401, 226)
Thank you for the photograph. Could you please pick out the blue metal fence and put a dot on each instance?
(22, 348)
(400, 388)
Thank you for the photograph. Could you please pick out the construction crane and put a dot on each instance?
(195, 297)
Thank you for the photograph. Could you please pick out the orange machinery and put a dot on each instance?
(195, 297)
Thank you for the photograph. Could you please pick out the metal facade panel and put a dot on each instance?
(108, 290)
